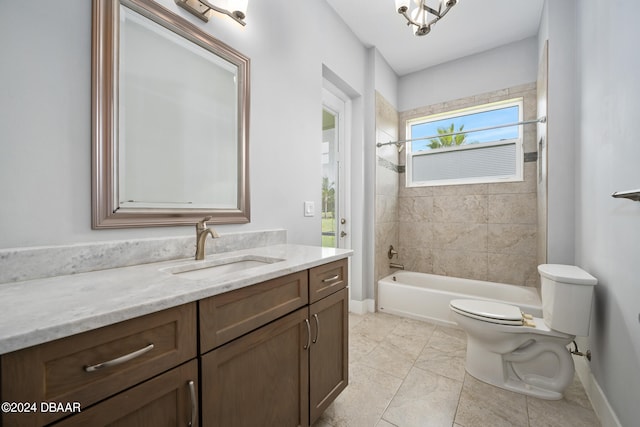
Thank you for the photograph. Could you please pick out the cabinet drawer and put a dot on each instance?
(91, 366)
(227, 316)
(167, 400)
(327, 279)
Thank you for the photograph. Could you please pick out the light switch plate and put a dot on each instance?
(309, 209)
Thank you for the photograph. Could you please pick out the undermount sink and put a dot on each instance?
(211, 268)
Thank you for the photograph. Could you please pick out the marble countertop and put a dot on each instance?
(36, 311)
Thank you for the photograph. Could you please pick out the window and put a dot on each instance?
(435, 157)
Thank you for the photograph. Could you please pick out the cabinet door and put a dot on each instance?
(260, 379)
(167, 400)
(329, 353)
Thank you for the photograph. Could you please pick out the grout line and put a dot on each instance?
(459, 399)
(526, 400)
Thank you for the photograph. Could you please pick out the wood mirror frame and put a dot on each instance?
(105, 117)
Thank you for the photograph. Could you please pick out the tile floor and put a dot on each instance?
(406, 373)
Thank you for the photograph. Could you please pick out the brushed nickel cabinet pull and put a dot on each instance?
(331, 279)
(315, 340)
(308, 334)
(120, 360)
(194, 403)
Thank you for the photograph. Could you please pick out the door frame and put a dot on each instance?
(336, 101)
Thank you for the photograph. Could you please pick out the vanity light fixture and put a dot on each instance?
(422, 16)
(203, 9)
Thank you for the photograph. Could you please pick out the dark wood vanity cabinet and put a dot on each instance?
(287, 372)
(87, 368)
(271, 354)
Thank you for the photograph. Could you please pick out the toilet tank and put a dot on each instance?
(567, 294)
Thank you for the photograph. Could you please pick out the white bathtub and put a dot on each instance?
(427, 296)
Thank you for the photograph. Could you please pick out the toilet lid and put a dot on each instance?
(488, 311)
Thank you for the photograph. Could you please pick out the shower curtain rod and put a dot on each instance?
(526, 122)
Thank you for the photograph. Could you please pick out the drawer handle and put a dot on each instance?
(194, 407)
(331, 279)
(308, 334)
(315, 340)
(120, 360)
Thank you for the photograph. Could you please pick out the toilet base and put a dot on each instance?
(508, 371)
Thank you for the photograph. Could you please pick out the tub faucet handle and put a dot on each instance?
(392, 252)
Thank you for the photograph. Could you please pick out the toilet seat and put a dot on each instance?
(489, 311)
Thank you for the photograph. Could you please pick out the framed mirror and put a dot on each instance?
(170, 120)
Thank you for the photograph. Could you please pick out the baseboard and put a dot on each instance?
(597, 397)
(362, 307)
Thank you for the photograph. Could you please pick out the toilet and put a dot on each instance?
(516, 351)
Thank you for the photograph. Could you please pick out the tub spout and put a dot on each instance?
(396, 265)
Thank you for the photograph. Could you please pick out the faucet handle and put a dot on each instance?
(391, 252)
(202, 224)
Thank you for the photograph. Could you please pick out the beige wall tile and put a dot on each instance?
(460, 190)
(464, 236)
(512, 208)
(416, 259)
(459, 263)
(386, 208)
(517, 239)
(413, 209)
(413, 191)
(468, 209)
(415, 234)
(512, 268)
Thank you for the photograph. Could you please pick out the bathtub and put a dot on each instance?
(426, 296)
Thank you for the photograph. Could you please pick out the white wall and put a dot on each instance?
(594, 105)
(506, 66)
(45, 116)
(607, 230)
(558, 26)
(386, 80)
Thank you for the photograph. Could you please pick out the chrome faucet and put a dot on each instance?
(201, 236)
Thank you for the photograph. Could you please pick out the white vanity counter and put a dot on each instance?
(36, 311)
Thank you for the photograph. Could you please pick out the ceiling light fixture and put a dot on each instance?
(203, 9)
(422, 17)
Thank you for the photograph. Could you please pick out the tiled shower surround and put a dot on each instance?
(476, 231)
